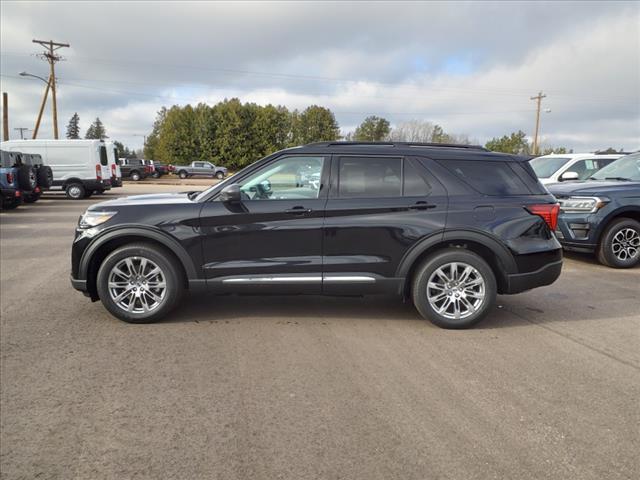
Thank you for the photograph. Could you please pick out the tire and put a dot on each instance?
(32, 197)
(137, 254)
(75, 191)
(219, 175)
(27, 178)
(135, 176)
(620, 244)
(426, 300)
(155, 175)
(182, 174)
(45, 177)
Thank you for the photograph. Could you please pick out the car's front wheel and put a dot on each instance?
(454, 288)
(135, 176)
(620, 244)
(139, 283)
(219, 175)
(75, 191)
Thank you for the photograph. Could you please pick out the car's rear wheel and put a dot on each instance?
(219, 175)
(135, 176)
(139, 283)
(620, 244)
(182, 174)
(454, 288)
(75, 191)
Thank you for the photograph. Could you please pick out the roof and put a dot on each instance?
(436, 151)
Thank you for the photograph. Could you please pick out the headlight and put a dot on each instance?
(582, 204)
(93, 218)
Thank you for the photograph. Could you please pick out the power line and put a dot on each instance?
(232, 71)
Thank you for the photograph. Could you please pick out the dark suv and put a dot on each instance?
(447, 226)
(602, 213)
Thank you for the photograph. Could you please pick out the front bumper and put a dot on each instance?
(578, 231)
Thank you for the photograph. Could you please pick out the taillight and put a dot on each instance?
(98, 172)
(113, 170)
(9, 178)
(548, 211)
(18, 193)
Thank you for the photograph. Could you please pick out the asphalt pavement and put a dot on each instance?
(309, 387)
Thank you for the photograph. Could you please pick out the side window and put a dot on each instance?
(287, 178)
(103, 156)
(369, 177)
(198, 164)
(488, 177)
(580, 168)
(414, 184)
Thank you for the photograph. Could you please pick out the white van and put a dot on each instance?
(80, 167)
(114, 165)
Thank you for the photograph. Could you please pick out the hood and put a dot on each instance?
(152, 199)
(592, 187)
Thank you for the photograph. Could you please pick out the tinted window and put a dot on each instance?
(414, 184)
(370, 177)
(488, 177)
(103, 156)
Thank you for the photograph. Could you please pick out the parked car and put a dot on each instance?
(602, 214)
(44, 177)
(446, 226)
(9, 172)
(24, 177)
(134, 168)
(564, 167)
(201, 169)
(79, 167)
(160, 169)
(114, 166)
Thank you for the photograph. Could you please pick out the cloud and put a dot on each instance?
(468, 66)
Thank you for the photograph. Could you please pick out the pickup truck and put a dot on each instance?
(201, 169)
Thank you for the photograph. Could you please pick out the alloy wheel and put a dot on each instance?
(137, 285)
(456, 290)
(626, 244)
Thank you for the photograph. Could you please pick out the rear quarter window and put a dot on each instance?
(495, 178)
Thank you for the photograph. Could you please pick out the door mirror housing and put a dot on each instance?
(568, 176)
(231, 194)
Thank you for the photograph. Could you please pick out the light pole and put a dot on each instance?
(44, 100)
(144, 141)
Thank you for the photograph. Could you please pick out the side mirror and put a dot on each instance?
(231, 194)
(568, 176)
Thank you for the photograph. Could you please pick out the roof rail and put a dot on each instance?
(397, 144)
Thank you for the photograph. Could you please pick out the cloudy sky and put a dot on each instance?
(471, 67)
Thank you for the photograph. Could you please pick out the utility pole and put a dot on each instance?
(50, 56)
(21, 130)
(538, 98)
(5, 116)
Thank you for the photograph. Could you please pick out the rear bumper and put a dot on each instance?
(116, 182)
(10, 193)
(546, 275)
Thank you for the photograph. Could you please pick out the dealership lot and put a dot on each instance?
(310, 387)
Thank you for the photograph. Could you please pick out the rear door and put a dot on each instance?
(378, 208)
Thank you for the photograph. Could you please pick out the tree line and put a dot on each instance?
(235, 134)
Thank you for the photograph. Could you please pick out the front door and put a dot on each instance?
(272, 240)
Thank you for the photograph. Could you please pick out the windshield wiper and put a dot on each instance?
(192, 195)
(621, 179)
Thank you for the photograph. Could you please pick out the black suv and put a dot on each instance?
(448, 226)
(602, 214)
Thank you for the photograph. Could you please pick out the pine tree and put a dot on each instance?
(73, 128)
(96, 130)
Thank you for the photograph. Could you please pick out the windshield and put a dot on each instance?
(545, 167)
(624, 168)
